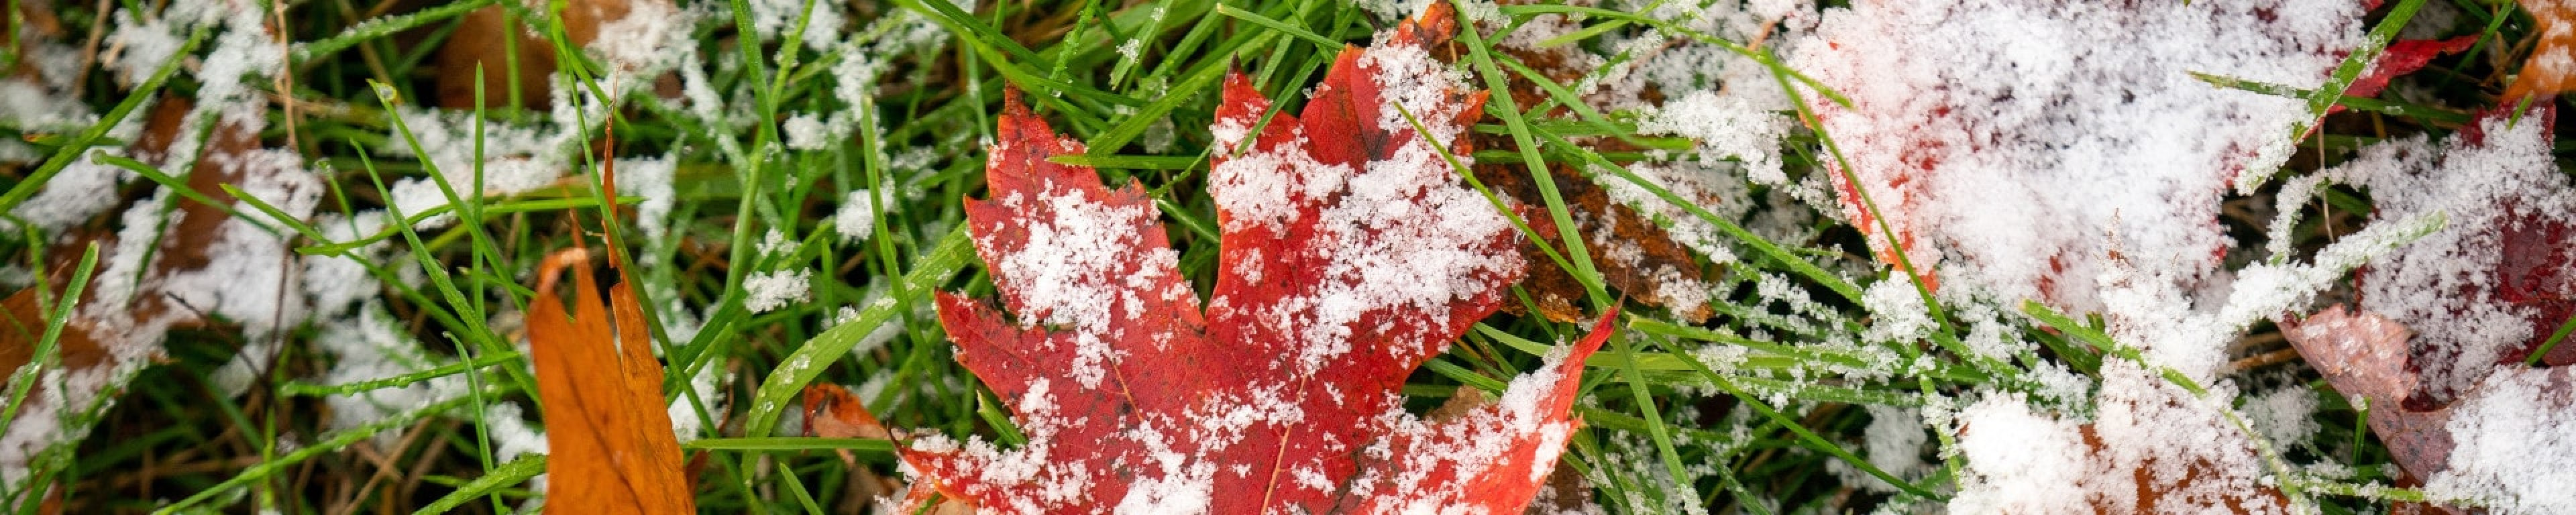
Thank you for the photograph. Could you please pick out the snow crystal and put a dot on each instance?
(2002, 138)
(2153, 438)
(653, 36)
(516, 158)
(775, 289)
(1895, 439)
(333, 283)
(2514, 447)
(857, 218)
(774, 19)
(776, 244)
(143, 45)
(511, 435)
(1897, 312)
(2284, 416)
(1725, 126)
(79, 191)
(651, 178)
(2019, 461)
(1074, 268)
(807, 131)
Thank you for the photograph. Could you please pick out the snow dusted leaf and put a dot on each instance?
(833, 412)
(2500, 276)
(1351, 254)
(174, 263)
(2553, 56)
(2002, 141)
(2496, 445)
(609, 437)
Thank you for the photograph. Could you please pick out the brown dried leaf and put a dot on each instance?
(1634, 256)
(22, 327)
(612, 449)
(479, 39)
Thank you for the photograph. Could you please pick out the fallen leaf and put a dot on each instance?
(1634, 256)
(1966, 159)
(1351, 254)
(2399, 59)
(481, 38)
(611, 447)
(2366, 356)
(206, 267)
(2553, 56)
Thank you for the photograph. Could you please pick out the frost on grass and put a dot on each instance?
(2012, 144)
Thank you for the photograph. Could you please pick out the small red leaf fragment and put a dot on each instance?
(2402, 58)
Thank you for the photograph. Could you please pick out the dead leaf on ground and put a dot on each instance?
(2366, 356)
(609, 433)
(1633, 255)
(1265, 400)
(481, 38)
(2553, 57)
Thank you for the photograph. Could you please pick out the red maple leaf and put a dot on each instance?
(1350, 255)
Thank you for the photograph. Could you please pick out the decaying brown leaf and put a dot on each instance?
(612, 449)
(1634, 256)
(2366, 355)
(484, 37)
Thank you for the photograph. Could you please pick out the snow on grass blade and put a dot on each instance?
(799, 369)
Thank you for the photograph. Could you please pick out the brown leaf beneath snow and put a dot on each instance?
(480, 38)
(612, 449)
(2367, 355)
(82, 346)
(1634, 256)
(22, 327)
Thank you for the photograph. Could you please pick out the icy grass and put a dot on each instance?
(773, 256)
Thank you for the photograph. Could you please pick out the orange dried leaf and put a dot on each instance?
(609, 435)
(2553, 57)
